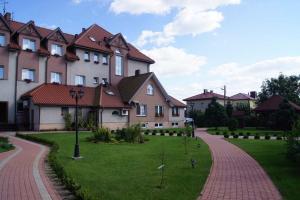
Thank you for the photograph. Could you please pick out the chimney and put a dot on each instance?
(211, 91)
(83, 29)
(137, 72)
(253, 94)
(205, 91)
(7, 16)
(76, 35)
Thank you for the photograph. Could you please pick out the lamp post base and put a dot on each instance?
(77, 158)
(76, 152)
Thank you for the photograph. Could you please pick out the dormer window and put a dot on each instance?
(2, 39)
(150, 90)
(56, 49)
(87, 56)
(28, 44)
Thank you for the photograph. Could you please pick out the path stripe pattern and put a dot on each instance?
(22, 174)
(234, 174)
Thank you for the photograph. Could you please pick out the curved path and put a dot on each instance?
(234, 174)
(22, 173)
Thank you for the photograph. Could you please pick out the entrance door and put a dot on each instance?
(3, 112)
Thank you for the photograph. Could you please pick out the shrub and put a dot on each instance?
(171, 134)
(167, 131)
(224, 132)
(90, 124)
(133, 134)
(188, 130)
(68, 121)
(101, 135)
(162, 131)
(217, 133)
(248, 134)
(162, 134)
(256, 136)
(235, 136)
(147, 132)
(267, 137)
(3, 139)
(232, 133)
(179, 134)
(226, 135)
(245, 136)
(241, 133)
(278, 137)
(232, 124)
(154, 132)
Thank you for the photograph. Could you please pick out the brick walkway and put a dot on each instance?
(22, 174)
(235, 174)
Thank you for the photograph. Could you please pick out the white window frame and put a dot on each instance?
(159, 111)
(55, 77)
(96, 58)
(94, 80)
(144, 125)
(2, 75)
(86, 56)
(28, 44)
(105, 59)
(119, 65)
(56, 49)
(175, 124)
(175, 111)
(150, 90)
(159, 125)
(2, 40)
(80, 80)
(142, 109)
(28, 74)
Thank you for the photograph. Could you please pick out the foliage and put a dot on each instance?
(5, 145)
(285, 86)
(90, 124)
(285, 116)
(133, 134)
(198, 117)
(101, 135)
(243, 107)
(232, 124)
(229, 109)
(215, 114)
(293, 144)
(68, 121)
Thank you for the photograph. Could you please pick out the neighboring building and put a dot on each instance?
(200, 102)
(242, 99)
(39, 66)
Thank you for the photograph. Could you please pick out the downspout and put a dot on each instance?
(16, 84)
(46, 70)
(109, 65)
(39, 126)
(101, 117)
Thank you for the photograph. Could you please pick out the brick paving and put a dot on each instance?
(234, 174)
(22, 173)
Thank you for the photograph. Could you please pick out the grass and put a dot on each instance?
(129, 171)
(5, 145)
(253, 131)
(271, 155)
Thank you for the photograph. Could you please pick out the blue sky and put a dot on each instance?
(197, 44)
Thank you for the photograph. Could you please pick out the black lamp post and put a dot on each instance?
(76, 95)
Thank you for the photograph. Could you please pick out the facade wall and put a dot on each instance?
(112, 121)
(87, 69)
(151, 101)
(136, 65)
(177, 119)
(115, 79)
(56, 64)
(246, 102)
(4, 55)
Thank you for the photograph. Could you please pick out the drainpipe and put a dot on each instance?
(46, 69)
(16, 84)
(101, 117)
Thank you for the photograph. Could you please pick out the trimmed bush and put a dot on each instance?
(232, 133)
(267, 137)
(278, 137)
(226, 135)
(179, 134)
(246, 137)
(162, 134)
(68, 121)
(235, 136)
(241, 133)
(171, 134)
(101, 135)
(217, 133)
(248, 134)
(256, 136)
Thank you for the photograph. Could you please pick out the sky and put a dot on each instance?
(197, 44)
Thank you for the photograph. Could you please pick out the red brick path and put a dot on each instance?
(22, 174)
(235, 175)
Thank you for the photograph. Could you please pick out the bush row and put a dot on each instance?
(170, 131)
(256, 136)
(58, 168)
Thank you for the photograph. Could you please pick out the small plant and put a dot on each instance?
(68, 121)
(217, 133)
(147, 132)
(246, 137)
(226, 135)
(257, 137)
(232, 133)
(171, 134)
(278, 137)
(179, 134)
(232, 124)
(235, 136)
(162, 134)
(241, 133)
(101, 135)
(154, 132)
(248, 134)
(267, 137)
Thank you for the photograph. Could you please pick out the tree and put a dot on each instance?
(215, 114)
(285, 86)
(285, 116)
(229, 109)
(199, 118)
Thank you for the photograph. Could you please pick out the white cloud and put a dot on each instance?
(193, 17)
(244, 78)
(174, 62)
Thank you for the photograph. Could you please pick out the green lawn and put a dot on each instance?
(253, 131)
(129, 171)
(271, 155)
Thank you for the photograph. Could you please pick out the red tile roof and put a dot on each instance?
(175, 102)
(273, 103)
(110, 98)
(241, 96)
(205, 96)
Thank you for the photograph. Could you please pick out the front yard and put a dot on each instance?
(271, 156)
(130, 171)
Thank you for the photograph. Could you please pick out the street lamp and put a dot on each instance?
(76, 94)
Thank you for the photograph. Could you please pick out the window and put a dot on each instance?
(174, 124)
(28, 44)
(150, 89)
(175, 111)
(79, 80)
(1, 72)
(64, 111)
(55, 77)
(96, 58)
(119, 65)
(96, 80)
(144, 125)
(159, 125)
(141, 110)
(2, 40)
(105, 60)
(56, 50)
(159, 112)
(87, 56)
(28, 74)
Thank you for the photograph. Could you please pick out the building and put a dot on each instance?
(243, 99)
(201, 101)
(39, 67)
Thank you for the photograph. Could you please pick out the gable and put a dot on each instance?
(29, 29)
(118, 41)
(57, 36)
(3, 25)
